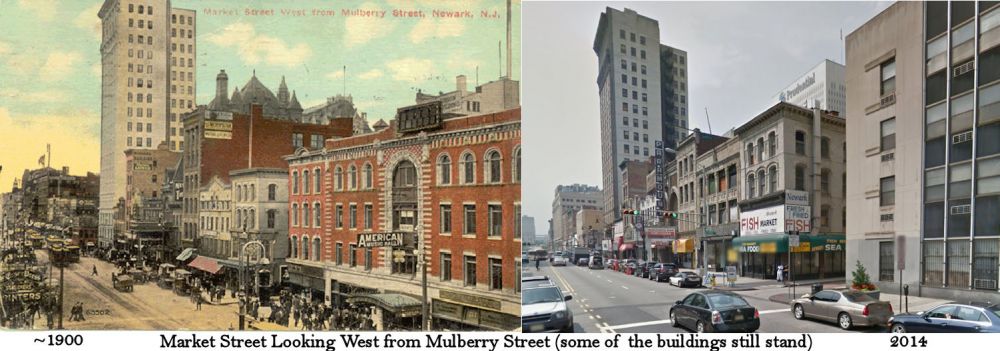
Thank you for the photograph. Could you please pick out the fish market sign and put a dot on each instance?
(393, 239)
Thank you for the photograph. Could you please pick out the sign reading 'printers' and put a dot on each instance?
(381, 239)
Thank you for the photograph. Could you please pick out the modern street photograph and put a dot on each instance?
(776, 167)
(262, 166)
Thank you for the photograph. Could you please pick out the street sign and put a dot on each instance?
(731, 274)
(793, 241)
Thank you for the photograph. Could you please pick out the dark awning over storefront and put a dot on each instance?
(778, 243)
(399, 304)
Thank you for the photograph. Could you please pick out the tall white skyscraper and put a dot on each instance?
(147, 84)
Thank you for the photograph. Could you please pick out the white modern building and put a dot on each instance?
(823, 86)
(567, 201)
(643, 93)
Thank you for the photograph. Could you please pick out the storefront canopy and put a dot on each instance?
(206, 264)
(778, 243)
(399, 304)
(186, 254)
(684, 245)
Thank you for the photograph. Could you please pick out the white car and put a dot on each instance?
(559, 261)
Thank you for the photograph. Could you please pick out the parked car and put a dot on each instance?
(715, 311)
(847, 308)
(662, 271)
(559, 261)
(543, 309)
(685, 279)
(582, 262)
(643, 268)
(595, 262)
(552, 259)
(949, 318)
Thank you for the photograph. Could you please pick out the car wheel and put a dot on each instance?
(897, 328)
(798, 312)
(844, 321)
(700, 327)
(673, 320)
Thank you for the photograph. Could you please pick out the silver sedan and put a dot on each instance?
(847, 308)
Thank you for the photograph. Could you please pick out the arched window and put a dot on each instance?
(295, 182)
(272, 192)
(253, 193)
(352, 177)
(318, 179)
(772, 176)
(761, 181)
(750, 154)
(305, 247)
(368, 176)
(468, 168)
(305, 182)
(338, 180)
(317, 214)
(772, 144)
(252, 220)
(295, 247)
(316, 250)
(760, 150)
(444, 169)
(307, 215)
(517, 165)
(295, 215)
(493, 166)
(824, 147)
(751, 183)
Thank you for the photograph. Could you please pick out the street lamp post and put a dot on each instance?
(244, 279)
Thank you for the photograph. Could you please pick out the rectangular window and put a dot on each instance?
(368, 259)
(887, 191)
(888, 76)
(496, 220)
(496, 274)
(317, 141)
(886, 261)
(517, 221)
(934, 263)
(888, 128)
(352, 255)
(368, 216)
(340, 254)
(446, 218)
(985, 263)
(339, 213)
(958, 263)
(469, 270)
(445, 273)
(470, 219)
(297, 140)
(353, 215)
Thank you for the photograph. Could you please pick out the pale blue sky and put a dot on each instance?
(50, 62)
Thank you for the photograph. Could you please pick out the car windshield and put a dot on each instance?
(858, 297)
(995, 310)
(721, 302)
(541, 295)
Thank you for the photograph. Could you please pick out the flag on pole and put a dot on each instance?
(41, 160)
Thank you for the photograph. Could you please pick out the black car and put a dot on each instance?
(643, 268)
(662, 271)
(715, 311)
(949, 318)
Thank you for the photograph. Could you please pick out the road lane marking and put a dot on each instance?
(624, 287)
(609, 280)
(636, 325)
(598, 316)
(773, 311)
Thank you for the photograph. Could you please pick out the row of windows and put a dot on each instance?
(139, 112)
(634, 149)
(494, 220)
(131, 8)
(246, 218)
(173, 47)
(142, 24)
(142, 39)
(138, 127)
(631, 50)
(635, 95)
(635, 122)
(174, 75)
(139, 83)
(173, 31)
(635, 81)
(138, 142)
(642, 38)
(139, 96)
(190, 89)
(492, 169)
(139, 68)
(248, 192)
(214, 223)
(173, 61)
(625, 66)
(174, 17)
(315, 141)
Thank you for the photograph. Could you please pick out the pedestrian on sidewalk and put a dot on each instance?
(781, 273)
(94, 271)
(197, 301)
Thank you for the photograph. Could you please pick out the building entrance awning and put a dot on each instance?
(778, 243)
(186, 254)
(206, 264)
(399, 304)
(625, 247)
(684, 245)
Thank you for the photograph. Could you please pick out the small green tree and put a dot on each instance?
(860, 279)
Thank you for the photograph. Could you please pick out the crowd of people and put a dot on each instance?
(300, 312)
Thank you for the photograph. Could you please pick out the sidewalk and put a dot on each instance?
(911, 304)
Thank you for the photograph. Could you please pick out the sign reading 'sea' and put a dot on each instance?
(380, 239)
(419, 117)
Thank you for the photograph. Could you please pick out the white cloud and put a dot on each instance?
(88, 20)
(335, 75)
(44, 9)
(360, 30)
(411, 69)
(58, 65)
(254, 48)
(436, 29)
(371, 74)
(15, 95)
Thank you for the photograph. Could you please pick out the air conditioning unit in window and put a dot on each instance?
(964, 68)
(990, 284)
(961, 209)
(961, 138)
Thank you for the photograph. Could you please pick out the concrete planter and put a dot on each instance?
(871, 293)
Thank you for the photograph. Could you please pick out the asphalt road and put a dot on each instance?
(610, 302)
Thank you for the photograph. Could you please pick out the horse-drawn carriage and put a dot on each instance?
(123, 282)
(182, 282)
(166, 276)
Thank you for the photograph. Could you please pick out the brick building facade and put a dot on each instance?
(454, 183)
